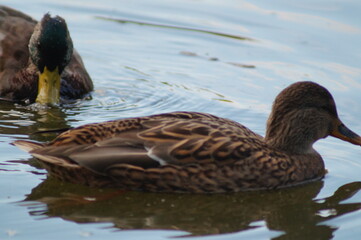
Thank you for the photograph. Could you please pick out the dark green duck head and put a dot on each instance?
(51, 49)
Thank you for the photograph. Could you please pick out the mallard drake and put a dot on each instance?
(199, 152)
(37, 60)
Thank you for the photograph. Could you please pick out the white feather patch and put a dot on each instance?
(155, 157)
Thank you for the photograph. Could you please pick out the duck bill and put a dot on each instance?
(49, 87)
(342, 132)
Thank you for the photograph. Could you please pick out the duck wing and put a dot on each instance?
(178, 138)
(15, 31)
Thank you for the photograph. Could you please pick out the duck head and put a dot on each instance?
(301, 114)
(50, 49)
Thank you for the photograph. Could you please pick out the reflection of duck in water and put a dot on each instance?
(296, 213)
(197, 152)
(40, 124)
(37, 61)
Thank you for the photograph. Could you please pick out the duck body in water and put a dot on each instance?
(199, 152)
(37, 60)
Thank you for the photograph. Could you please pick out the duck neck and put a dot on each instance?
(291, 133)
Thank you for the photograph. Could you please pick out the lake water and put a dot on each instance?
(229, 58)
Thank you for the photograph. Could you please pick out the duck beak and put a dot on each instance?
(342, 132)
(49, 87)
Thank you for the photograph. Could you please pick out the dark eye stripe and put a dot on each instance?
(330, 110)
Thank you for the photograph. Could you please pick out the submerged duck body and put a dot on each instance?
(198, 152)
(37, 60)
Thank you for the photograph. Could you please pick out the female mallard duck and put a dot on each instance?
(37, 60)
(198, 152)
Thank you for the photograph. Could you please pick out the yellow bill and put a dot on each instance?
(49, 87)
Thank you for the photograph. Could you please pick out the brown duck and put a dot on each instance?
(37, 60)
(199, 152)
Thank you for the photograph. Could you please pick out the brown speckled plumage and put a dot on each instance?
(199, 152)
(18, 74)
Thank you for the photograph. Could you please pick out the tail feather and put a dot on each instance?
(58, 161)
(27, 146)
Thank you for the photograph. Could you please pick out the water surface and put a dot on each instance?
(229, 58)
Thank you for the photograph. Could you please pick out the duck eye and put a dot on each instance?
(325, 108)
(329, 110)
